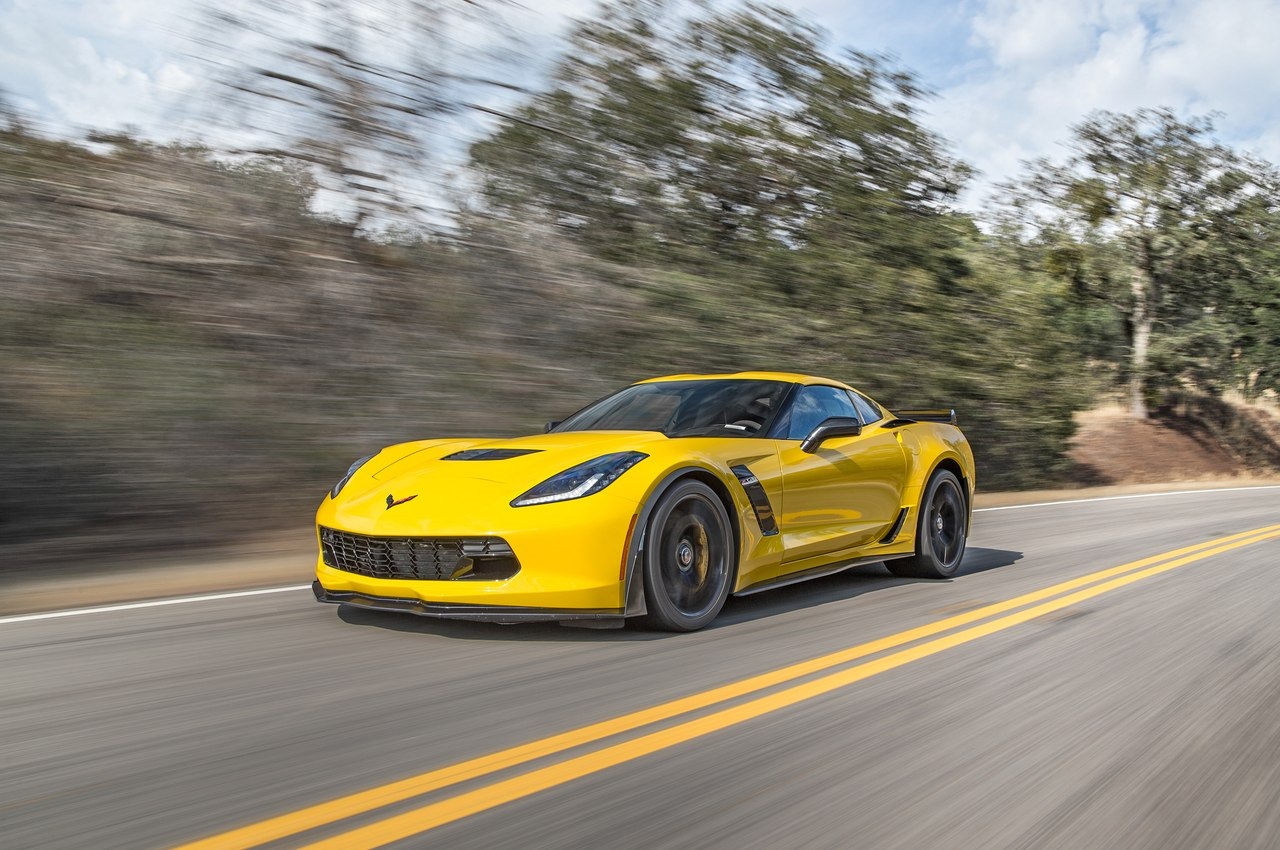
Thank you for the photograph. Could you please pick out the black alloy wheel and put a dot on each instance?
(941, 531)
(688, 558)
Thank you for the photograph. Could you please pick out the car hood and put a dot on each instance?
(519, 462)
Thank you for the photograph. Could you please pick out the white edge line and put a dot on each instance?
(153, 603)
(1129, 496)
(209, 597)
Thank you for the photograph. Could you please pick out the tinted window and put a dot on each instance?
(866, 408)
(810, 407)
(721, 408)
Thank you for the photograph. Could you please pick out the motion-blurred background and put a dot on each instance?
(355, 223)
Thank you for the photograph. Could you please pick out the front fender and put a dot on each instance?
(634, 590)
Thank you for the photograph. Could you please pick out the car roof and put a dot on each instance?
(788, 377)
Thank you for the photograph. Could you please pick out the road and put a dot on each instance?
(1136, 707)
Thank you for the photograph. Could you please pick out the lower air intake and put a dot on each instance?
(424, 558)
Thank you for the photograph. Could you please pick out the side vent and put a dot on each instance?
(897, 527)
(758, 498)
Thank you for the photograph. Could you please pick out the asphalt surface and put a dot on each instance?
(1145, 715)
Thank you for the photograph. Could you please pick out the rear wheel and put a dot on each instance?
(941, 531)
(688, 558)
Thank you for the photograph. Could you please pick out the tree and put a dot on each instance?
(10, 120)
(355, 91)
(698, 136)
(1148, 214)
(765, 201)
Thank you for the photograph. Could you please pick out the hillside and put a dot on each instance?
(189, 356)
(1195, 440)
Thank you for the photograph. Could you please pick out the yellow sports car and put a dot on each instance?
(659, 501)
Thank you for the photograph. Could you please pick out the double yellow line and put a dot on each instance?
(523, 784)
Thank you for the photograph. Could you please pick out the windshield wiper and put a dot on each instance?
(711, 431)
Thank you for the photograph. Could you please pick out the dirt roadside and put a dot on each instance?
(289, 560)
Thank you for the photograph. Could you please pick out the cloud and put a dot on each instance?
(1035, 34)
(1050, 62)
(94, 63)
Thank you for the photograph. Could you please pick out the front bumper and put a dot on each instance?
(457, 611)
(570, 555)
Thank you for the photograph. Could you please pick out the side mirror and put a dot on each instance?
(835, 426)
(551, 425)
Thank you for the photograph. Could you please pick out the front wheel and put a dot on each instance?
(688, 558)
(940, 533)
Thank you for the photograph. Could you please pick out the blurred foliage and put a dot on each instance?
(729, 141)
(185, 350)
(190, 353)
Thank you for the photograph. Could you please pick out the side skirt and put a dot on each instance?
(817, 572)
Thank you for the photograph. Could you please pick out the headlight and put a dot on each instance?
(582, 480)
(351, 470)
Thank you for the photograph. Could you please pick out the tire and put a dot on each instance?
(688, 558)
(941, 531)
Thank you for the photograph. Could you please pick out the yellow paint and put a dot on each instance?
(566, 549)
(374, 798)
(843, 496)
(472, 802)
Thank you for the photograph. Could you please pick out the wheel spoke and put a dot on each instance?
(693, 555)
(946, 518)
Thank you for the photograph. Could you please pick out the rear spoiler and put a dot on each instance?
(943, 415)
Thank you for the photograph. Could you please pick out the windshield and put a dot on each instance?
(722, 408)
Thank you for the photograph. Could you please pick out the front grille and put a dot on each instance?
(429, 558)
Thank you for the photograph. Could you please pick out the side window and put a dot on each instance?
(866, 409)
(814, 404)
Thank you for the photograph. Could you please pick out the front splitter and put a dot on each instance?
(481, 613)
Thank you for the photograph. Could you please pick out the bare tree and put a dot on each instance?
(361, 92)
(10, 118)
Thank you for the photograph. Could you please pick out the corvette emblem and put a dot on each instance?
(392, 501)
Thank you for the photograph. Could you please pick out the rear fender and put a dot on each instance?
(951, 459)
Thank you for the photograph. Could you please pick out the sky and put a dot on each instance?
(1009, 77)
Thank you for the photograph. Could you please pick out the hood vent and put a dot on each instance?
(489, 454)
